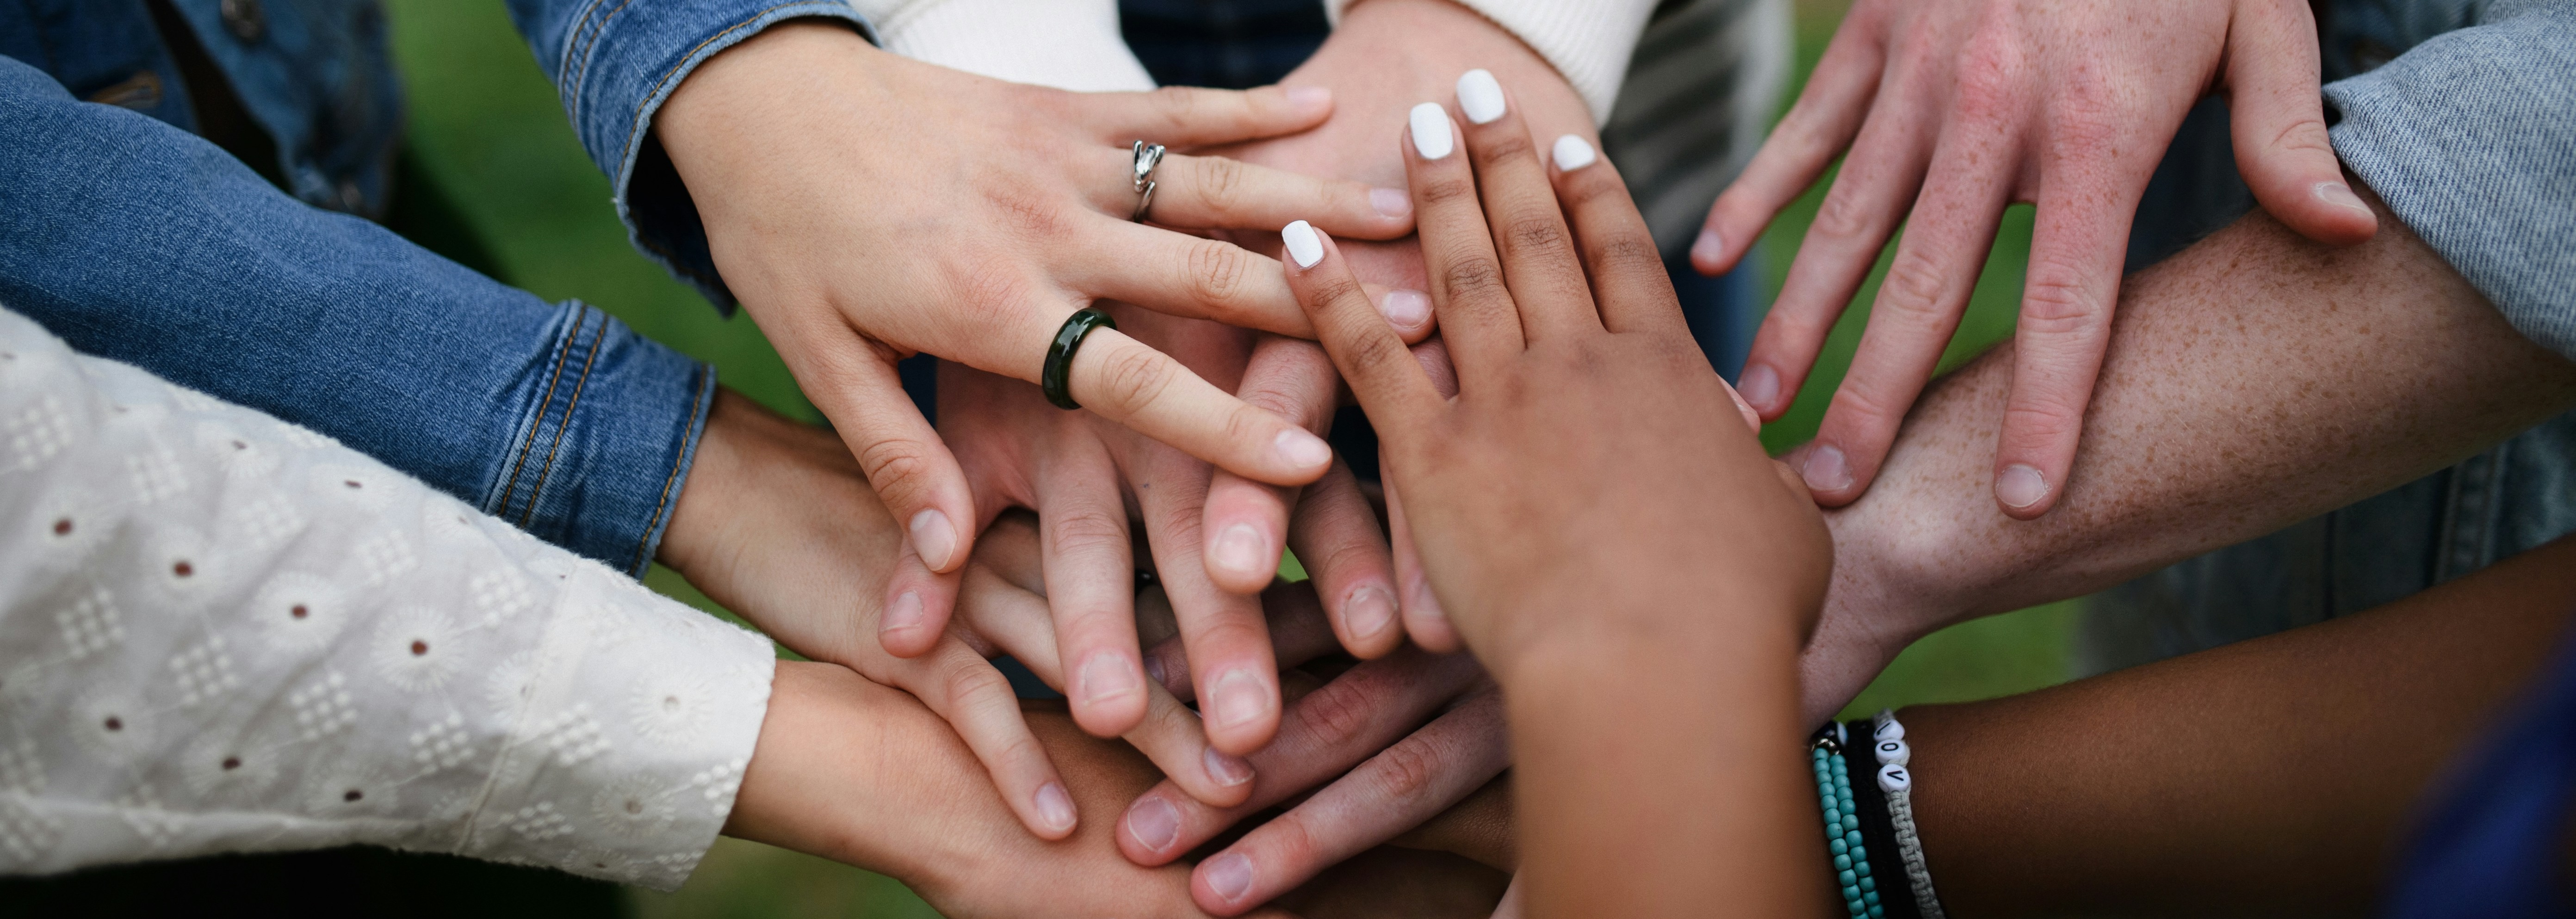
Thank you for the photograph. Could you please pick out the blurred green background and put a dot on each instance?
(487, 127)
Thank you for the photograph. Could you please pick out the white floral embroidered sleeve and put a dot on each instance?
(223, 633)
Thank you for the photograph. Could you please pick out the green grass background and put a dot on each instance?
(487, 127)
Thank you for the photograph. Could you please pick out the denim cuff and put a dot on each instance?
(615, 62)
(603, 443)
(2466, 137)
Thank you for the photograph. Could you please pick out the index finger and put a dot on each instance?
(1381, 371)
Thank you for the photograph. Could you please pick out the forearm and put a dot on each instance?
(2269, 776)
(2253, 381)
(1660, 775)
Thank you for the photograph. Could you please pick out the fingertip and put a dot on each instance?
(1150, 829)
(1051, 812)
(2023, 491)
(1408, 311)
(1759, 386)
(1304, 244)
(2338, 217)
(1369, 621)
(1242, 556)
(1310, 103)
(936, 539)
(1108, 693)
(1828, 474)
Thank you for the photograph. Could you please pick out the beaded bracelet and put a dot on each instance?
(1896, 778)
(1878, 835)
(1842, 828)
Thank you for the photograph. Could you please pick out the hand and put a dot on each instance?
(1614, 547)
(1954, 109)
(1070, 467)
(861, 217)
(1385, 56)
(861, 774)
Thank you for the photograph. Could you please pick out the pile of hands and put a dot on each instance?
(1481, 286)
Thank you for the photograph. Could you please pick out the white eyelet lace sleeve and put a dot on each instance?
(223, 633)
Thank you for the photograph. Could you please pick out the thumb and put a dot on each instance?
(2277, 115)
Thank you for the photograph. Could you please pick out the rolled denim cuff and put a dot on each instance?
(603, 445)
(615, 64)
(2467, 139)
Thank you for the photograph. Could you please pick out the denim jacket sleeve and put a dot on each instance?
(2471, 139)
(615, 62)
(136, 241)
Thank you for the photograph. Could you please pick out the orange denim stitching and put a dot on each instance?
(704, 378)
(511, 486)
(588, 46)
(566, 424)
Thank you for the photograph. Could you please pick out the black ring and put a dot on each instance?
(1057, 378)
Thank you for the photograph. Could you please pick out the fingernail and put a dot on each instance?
(1707, 247)
(1303, 244)
(2020, 486)
(1228, 771)
(905, 612)
(1238, 698)
(1826, 470)
(1107, 676)
(1369, 611)
(1055, 808)
(1230, 875)
(1309, 98)
(1480, 96)
(1430, 125)
(1239, 548)
(934, 538)
(1405, 308)
(1573, 153)
(1759, 386)
(1302, 450)
(2340, 195)
(1154, 669)
(1155, 823)
(1390, 202)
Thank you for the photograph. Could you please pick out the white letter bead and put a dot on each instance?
(1894, 751)
(1890, 730)
(1893, 778)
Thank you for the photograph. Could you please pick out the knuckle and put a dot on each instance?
(1274, 402)
(1405, 772)
(896, 466)
(1861, 402)
(2056, 301)
(1844, 217)
(1508, 146)
(1085, 528)
(1371, 357)
(1535, 232)
(1911, 294)
(1292, 841)
(970, 680)
(1627, 253)
(1446, 189)
(1472, 277)
(1217, 271)
(1134, 378)
(1178, 105)
(1338, 713)
(1222, 184)
(1326, 290)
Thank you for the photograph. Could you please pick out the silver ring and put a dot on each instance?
(1149, 157)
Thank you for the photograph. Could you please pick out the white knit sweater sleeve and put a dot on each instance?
(1066, 44)
(223, 633)
(1588, 41)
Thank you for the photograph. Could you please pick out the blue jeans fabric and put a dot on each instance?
(137, 241)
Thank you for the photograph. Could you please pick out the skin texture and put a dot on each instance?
(1384, 57)
(1632, 570)
(2248, 387)
(2271, 777)
(1952, 109)
(851, 249)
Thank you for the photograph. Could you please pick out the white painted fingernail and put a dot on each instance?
(1108, 676)
(1390, 202)
(1302, 450)
(934, 538)
(1228, 771)
(1303, 244)
(1405, 308)
(1430, 124)
(1240, 548)
(1573, 153)
(1239, 698)
(1055, 808)
(1826, 470)
(1480, 96)
(2020, 485)
(2340, 195)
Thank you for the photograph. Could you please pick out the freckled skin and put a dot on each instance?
(2253, 381)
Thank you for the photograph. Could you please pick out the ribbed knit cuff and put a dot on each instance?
(1066, 44)
(1587, 41)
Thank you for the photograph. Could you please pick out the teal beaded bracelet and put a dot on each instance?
(1842, 831)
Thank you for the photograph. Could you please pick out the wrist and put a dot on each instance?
(1388, 55)
(739, 89)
